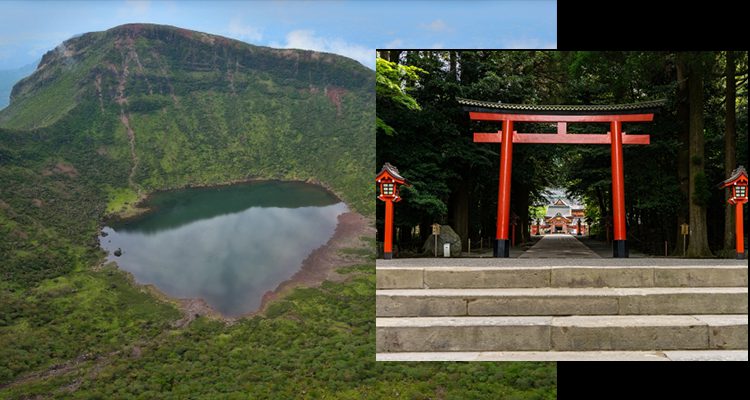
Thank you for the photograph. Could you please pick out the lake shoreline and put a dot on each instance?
(322, 263)
(138, 209)
(318, 266)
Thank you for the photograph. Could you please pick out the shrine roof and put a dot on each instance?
(562, 109)
(739, 171)
(393, 171)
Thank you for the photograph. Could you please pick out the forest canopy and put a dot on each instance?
(695, 139)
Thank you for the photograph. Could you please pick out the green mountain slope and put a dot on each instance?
(166, 107)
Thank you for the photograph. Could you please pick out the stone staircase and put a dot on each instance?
(516, 309)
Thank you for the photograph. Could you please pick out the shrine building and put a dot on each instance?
(564, 215)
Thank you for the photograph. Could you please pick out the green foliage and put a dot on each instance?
(391, 81)
(381, 125)
(536, 212)
(434, 147)
(391, 84)
(76, 315)
(118, 199)
(150, 103)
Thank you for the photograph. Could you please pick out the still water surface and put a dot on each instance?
(228, 245)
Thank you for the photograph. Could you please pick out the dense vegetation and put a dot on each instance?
(83, 138)
(696, 139)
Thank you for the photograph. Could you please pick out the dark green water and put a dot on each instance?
(228, 245)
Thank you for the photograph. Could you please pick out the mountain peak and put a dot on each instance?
(134, 30)
(135, 60)
(146, 107)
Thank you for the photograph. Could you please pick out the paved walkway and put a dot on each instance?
(604, 249)
(559, 246)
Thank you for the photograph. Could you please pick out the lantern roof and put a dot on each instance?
(738, 173)
(392, 172)
(561, 109)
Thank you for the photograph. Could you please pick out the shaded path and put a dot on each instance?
(604, 249)
(559, 246)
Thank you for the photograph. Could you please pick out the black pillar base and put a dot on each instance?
(620, 249)
(387, 256)
(502, 248)
(740, 256)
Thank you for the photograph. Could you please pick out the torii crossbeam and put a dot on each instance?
(507, 114)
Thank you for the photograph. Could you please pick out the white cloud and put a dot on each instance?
(527, 43)
(438, 45)
(437, 25)
(306, 39)
(394, 44)
(134, 8)
(243, 31)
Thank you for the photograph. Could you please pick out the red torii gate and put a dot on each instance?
(615, 115)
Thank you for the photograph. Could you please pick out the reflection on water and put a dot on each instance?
(228, 245)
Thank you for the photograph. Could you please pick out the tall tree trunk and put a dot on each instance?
(394, 55)
(459, 212)
(390, 55)
(683, 153)
(604, 216)
(698, 246)
(730, 146)
(425, 231)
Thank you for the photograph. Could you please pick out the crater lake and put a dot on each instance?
(228, 245)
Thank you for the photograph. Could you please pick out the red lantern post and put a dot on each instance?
(738, 196)
(389, 180)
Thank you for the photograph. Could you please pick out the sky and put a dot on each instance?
(354, 29)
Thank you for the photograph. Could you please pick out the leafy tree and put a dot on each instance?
(391, 82)
(456, 179)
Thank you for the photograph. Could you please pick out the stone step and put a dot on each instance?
(406, 277)
(671, 355)
(576, 333)
(560, 301)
